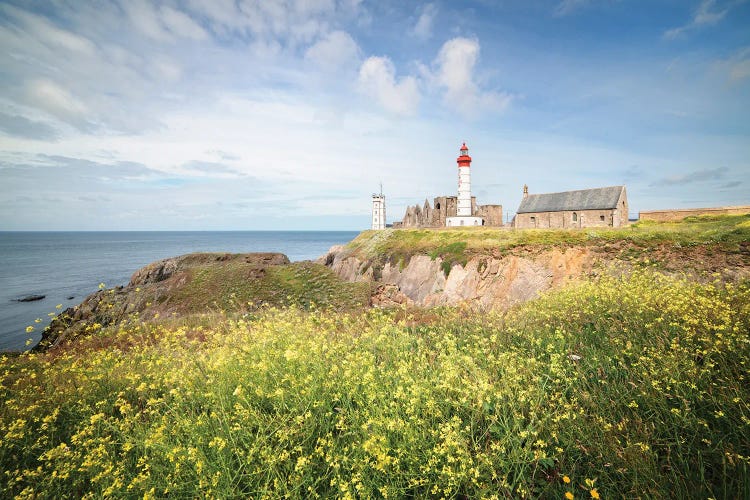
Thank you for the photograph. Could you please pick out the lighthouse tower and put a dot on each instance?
(464, 183)
(464, 216)
(378, 210)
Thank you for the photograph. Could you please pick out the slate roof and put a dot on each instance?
(585, 199)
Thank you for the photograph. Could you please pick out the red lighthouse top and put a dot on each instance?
(464, 160)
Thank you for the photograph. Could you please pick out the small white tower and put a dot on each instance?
(378, 210)
(464, 217)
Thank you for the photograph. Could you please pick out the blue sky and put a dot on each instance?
(263, 114)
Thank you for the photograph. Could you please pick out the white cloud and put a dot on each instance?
(567, 6)
(55, 100)
(50, 35)
(739, 66)
(165, 24)
(167, 70)
(181, 24)
(455, 74)
(704, 15)
(145, 19)
(423, 27)
(289, 23)
(377, 78)
(335, 49)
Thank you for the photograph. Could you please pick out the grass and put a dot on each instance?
(228, 288)
(625, 387)
(726, 232)
(208, 286)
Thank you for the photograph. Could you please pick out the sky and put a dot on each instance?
(289, 114)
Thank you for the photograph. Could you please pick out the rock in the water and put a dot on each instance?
(30, 298)
(71, 297)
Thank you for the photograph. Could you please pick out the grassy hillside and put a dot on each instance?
(210, 284)
(724, 233)
(229, 288)
(619, 387)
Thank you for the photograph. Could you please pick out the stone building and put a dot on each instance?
(437, 214)
(599, 207)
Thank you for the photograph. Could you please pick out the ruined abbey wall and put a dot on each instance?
(434, 215)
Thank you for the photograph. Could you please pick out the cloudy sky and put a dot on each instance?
(287, 114)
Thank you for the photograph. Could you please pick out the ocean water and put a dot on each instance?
(60, 265)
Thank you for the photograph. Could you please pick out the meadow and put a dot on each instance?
(723, 233)
(620, 386)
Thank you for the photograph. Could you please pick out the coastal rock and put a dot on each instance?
(30, 298)
(178, 285)
(485, 281)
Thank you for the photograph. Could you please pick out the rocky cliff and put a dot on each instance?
(206, 283)
(484, 280)
(450, 267)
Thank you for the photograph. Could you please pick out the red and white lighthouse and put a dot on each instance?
(464, 215)
(464, 183)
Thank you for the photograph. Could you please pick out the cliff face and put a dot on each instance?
(484, 280)
(489, 279)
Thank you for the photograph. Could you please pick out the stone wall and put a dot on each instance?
(678, 214)
(492, 214)
(444, 207)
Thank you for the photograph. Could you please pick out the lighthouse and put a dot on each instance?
(464, 215)
(378, 209)
(464, 183)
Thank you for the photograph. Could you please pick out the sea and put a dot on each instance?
(65, 267)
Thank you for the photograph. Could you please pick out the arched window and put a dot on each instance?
(575, 217)
(437, 206)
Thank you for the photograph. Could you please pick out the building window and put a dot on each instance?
(437, 206)
(462, 222)
(601, 218)
(533, 220)
(575, 217)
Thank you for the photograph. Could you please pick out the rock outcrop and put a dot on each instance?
(164, 287)
(485, 281)
(30, 298)
(501, 277)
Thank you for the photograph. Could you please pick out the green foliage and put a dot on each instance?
(451, 254)
(230, 288)
(727, 232)
(628, 387)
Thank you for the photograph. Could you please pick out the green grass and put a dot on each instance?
(228, 287)
(207, 285)
(450, 254)
(634, 387)
(723, 232)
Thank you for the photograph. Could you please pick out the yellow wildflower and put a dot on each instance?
(566, 480)
(594, 493)
(569, 495)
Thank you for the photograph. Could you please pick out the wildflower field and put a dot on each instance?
(632, 386)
